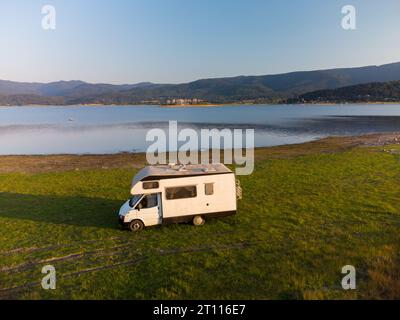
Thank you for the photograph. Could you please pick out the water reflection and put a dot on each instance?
(58, 130)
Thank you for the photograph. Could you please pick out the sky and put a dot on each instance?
(174, 41)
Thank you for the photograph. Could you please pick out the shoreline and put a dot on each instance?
(70, 162)
(211, 105)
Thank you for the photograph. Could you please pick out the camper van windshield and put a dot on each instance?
(134, 200)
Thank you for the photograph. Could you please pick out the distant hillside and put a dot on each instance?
(371, 92)
(269, 88)
(64, 88)
(30, 99)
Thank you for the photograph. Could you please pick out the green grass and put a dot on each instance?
(302, 218)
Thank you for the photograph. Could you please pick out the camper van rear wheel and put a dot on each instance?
(136, 225)
(199, 220)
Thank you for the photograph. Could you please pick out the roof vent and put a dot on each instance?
(182, 167)
(177, 167)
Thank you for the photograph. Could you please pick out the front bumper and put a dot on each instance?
(122, 223)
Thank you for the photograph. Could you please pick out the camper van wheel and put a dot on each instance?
(198, 220)
(136, 225)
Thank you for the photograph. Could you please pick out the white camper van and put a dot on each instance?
(179, 193)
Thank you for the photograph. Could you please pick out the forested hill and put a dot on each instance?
(370, 92)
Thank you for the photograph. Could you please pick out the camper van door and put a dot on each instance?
(149, 209)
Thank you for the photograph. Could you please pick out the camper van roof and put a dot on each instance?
(176, 170)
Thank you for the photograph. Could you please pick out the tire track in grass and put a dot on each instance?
(33, 264)
(4, 292)
(58, 246)
(99, 252)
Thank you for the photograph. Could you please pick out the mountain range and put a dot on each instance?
(266, 89)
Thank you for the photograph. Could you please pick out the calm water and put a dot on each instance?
(111, 129)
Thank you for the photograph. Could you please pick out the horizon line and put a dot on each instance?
(199, 79)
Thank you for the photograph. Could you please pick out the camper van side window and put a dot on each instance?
(150, 185)
(209, 189)
(181, 192)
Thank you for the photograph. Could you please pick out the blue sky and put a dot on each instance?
(172, 41)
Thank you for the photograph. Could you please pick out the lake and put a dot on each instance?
(113, 129)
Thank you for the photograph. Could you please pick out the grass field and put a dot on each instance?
(307, 211)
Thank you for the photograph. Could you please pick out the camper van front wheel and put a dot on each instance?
(136, 225)
(198, 220)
